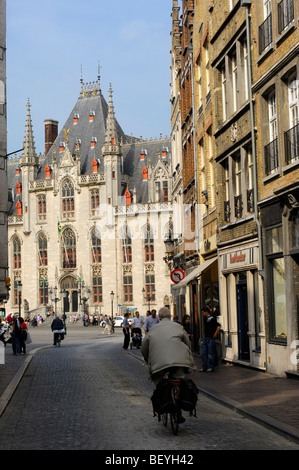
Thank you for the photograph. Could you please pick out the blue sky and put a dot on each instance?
(49, 40)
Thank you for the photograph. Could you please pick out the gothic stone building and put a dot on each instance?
(89, 217)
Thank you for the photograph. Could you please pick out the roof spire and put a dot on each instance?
(29, 145)
(111, 145)
(111, 137)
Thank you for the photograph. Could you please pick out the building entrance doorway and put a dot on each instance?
(71, 299)
(242, 314)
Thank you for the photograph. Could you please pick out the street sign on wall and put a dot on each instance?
(177, 275)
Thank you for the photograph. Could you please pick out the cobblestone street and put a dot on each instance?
(90, 394)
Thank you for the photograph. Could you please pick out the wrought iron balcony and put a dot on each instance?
(271, 157)
(238, 206)
(250, 200)
(291, 144)
(226, 211)
(265, 34)
(285, 14)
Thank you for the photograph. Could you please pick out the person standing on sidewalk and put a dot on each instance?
(211, 329)
(16, 336)
(126, 331)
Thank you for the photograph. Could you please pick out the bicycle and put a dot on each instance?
(172, 404)
(57, 340)
(171, 396)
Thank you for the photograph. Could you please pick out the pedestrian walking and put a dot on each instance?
(211, 329)
(150, 321)
(107, 325)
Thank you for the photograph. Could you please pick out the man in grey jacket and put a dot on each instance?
(167, 346)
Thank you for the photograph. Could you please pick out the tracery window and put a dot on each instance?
(149, 245)
(96, 254)
(68, 200)
(17, 260)
(127, 247)
(68, 249)
(42, 250)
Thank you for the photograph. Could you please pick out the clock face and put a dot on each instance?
(177, 275)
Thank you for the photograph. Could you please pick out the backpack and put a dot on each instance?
(162, 399)
(188, 396)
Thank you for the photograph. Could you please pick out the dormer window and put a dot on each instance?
(75, 118)
(19, 208)
(91, 116)
(47, 171)
(93, 142)
(18, 187)
(145, 173)
(128, 197)
(94, 166)
(164, 152)
(61, 147)
(143, 153)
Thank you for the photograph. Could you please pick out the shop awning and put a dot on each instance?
(194, 274)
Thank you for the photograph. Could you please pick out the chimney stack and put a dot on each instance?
(51, 132)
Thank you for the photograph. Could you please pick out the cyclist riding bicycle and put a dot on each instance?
(167, 347)
(58, 328)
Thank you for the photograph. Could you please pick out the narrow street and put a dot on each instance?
(90, 394)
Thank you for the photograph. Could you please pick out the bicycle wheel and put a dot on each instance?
(58, 341)
(174, 421)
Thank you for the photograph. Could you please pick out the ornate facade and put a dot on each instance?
(89, 217)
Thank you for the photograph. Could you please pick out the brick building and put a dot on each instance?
(240, 279)
(276, 92)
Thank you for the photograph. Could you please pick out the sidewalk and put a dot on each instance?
(270, 400)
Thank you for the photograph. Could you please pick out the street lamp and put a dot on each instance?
(112, 297)
(64, 294)
(56, 299)
(19, 289)
(148, 297)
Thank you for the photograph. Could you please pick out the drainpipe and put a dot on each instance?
(261, 271)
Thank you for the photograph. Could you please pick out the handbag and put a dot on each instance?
(28, 339)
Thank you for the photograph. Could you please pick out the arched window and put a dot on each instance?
(96, 254)
(149, 254)
(17, 261)
(127, 247)
(68, 200)
(68, 249)
(42, 250)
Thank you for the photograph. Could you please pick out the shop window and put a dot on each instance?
(277, 292)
